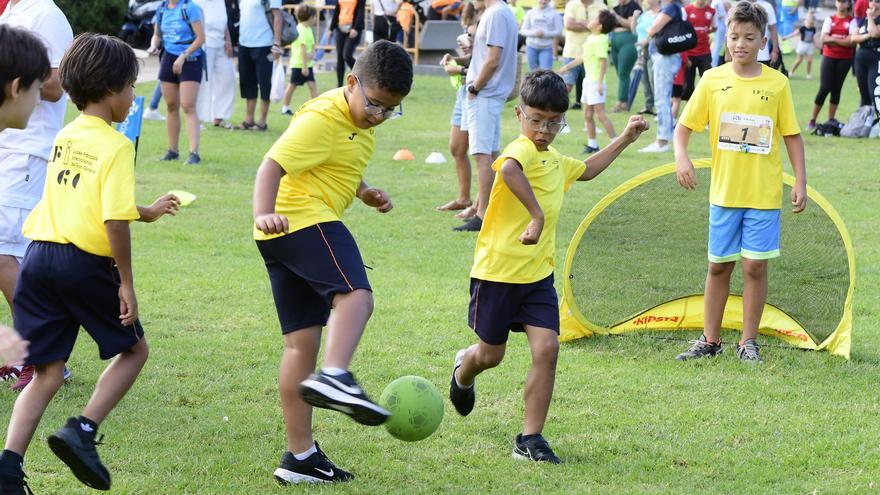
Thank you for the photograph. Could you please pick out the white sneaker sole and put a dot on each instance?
(285, 476)
(324, 396)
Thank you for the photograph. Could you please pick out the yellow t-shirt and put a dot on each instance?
(324, 157)
(89, 180)
(499, 256)
(575, 10)
(595, 49)
(747, 119)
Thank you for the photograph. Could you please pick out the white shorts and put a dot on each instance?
(804, 48)
(591, 94)
(12, 242)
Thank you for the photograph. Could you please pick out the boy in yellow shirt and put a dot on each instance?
(750, 114)
(306, 181)
(77, 271)
(302, 52)
(24, 65)
(512, 276)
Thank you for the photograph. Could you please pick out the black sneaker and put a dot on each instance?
(462, 398)
(472, 225)
(534, 449)
(575, 106)
(749, 352)
(342, 393)
(590, 149)
(700, 349)
(194, 159)
(316, 468)
(14, 484)
(170, 156)
(78, 451)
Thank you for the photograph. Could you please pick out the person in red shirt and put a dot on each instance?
(702, 17)
(837, 58)
(3, 4)
(860, 10)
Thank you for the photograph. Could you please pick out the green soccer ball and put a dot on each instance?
(416, 408)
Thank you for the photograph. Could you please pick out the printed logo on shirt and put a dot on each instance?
(353, 134)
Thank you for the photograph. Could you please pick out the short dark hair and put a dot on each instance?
(544, 90)
(304, 12)
(385, 65)
(22, 57)
(748, 12)
(96, 65)
(607, 21)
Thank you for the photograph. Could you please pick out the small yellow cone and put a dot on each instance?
(404, 154)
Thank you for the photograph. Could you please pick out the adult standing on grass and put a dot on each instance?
(750, 113)
(623, 49)
(721, 7)
(259, 43)
(646, 49)
(837, 59)
(217, 93)
(665, 68)
(24, 153)
(576, 31)
(540, 27)
(699, 58)
(180, 32)
(385, 25)
(490, 80)
(868, 57)
(348, 27)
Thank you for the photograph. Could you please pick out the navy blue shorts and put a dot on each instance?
(298, 79)
(498, 308)
(192, 69)
(61, 288)
(307, 268)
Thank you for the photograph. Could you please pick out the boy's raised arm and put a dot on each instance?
(516, 181)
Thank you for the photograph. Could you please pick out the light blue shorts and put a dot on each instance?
(484, 124)
(571, 77)
(458, 115)
(736, 233)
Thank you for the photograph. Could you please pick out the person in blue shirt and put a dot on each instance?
(178, 28)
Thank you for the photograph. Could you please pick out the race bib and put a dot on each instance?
(745, 133)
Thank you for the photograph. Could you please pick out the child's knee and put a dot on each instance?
(490, 356)
(50, 375)
(754, 269)
(545, 351)
(360, 297)
(720, 269)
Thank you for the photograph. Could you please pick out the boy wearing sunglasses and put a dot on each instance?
(512, 276)
(307, 179)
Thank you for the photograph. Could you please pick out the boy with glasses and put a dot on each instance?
(307, 179)
(512, 276)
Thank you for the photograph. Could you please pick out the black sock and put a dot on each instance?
(529, 437)
(87, 427)
(10, 461)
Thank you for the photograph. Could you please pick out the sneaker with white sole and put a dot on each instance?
(342, 393)
(462, 398)
(316, 468)
(749, 352)
(153, 114)
(534, 448)
(655, 148)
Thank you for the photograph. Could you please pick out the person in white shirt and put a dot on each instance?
(540, 27)
(769, 54)
(258, 45)
(217, 93)
(385, 25)
(719, 38)
(24, 153)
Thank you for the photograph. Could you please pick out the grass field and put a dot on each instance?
(204, 416)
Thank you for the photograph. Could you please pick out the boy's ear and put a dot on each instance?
(763, 42)
(13, 88)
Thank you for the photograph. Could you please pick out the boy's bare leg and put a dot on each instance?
(8, 276)
(458, 147)
(485, 178)
(116, 381)
(313, 89)
(754, 295)
(349, 317)
(297, 362)
(288, 94)
(589, 122)
(717, 290)
(544, 344)
(477, 359)
(606, 122)
(31, 404)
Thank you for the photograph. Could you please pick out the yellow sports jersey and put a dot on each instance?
(499, 256)
(89, 180)
(324, 156)
(747, 119)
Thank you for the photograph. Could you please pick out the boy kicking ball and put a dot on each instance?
(77, 272)
(512, 276)
(307, 179)
(750, 114)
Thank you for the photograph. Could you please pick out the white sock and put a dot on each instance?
(305, 455)
(285, 108)
(462, 386)
(592, 143)
(333, 371)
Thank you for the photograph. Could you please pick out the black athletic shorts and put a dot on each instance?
(498, 308)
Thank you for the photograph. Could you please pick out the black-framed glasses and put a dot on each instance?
(548, 126)
(378, 110)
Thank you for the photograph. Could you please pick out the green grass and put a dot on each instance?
(625, 417)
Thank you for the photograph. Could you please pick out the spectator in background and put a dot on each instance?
(699, 58)
(519, 13)
(645, 47)
(445, 10)
(217, 93)
(665, 68)
(348, 27)
(769, 54)
(24, 153)
(181, 33)
(540, 26)
(152, 111)
(868, 56)
(385, 25)
(575, 20)
(259, 43)
(805, 46)
(837, 59)
(623, 50)
(302, 54)
(718, 41)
